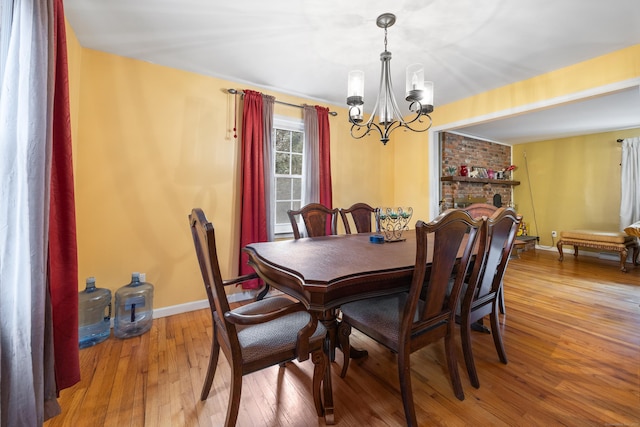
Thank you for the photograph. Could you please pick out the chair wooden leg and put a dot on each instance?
(465, 338)
(503, 310)
(329, 416)
(213, 364)
(320, 361)
(344, 330)
(234, 394)
(453, 365)
(497, 336)
(404, 373)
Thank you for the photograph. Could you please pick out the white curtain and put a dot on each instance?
(267, 125)
(26, 91)
(630, 182)
(311, 155)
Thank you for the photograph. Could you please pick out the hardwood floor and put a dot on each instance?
(571, 332)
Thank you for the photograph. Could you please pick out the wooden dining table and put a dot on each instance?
(326, 272)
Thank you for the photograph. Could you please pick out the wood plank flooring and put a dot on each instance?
(571, 332)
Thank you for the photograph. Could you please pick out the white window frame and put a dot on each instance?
(295, 125)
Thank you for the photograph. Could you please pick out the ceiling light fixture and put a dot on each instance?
(386, 116)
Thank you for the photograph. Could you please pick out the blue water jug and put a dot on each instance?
(134, 308)
(94, 314)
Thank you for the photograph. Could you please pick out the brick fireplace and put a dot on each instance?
(460, 150)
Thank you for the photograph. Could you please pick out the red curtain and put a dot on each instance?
(253, 226)
(324, 152)
(63, 263)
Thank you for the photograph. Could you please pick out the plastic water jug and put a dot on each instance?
(94, 314)
(134, 308)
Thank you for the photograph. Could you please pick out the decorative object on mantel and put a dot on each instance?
(419, 94)
(506, 172)
(463, 170)
(393, 221)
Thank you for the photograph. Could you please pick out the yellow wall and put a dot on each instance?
(615, 67)
(570, 183)
(154, 142)
(411, 184)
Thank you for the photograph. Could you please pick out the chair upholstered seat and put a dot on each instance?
(278, 336)
(380, 317)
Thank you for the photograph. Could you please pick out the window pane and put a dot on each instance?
(297, 188)
(288, 158)
(296, 143)
(281, 212)
(296, 164)
(283, 189)
(282, 164)
(282, 140)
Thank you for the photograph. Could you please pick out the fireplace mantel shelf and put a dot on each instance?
(478, 180)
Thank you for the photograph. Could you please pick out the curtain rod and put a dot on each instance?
(235, 92)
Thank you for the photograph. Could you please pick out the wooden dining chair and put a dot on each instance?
(362, 216)
(404, 322)
(318, 220)
(479, 210)
(482, 295)
(256, 335)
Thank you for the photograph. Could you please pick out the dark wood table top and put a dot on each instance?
(325, 272)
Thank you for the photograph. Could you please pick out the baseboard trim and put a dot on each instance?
(200, 304)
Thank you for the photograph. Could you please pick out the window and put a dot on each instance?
(288, 144)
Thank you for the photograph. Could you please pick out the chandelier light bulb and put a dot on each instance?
(415, 82)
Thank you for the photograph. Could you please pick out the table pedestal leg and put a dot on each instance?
(330, 322)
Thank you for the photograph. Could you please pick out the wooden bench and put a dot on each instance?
(603, 240)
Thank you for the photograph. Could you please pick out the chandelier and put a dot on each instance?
(386, 116)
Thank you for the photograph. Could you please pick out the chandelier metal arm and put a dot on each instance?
(385, 131)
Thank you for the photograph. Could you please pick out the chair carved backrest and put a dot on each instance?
(495, 243)
(319, 220)
(478, 210)
(205, 244)
(362, 215)
(449, 231)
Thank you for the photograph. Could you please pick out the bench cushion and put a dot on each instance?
(633, 229)
(596, 236)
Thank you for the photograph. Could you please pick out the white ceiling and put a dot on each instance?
(306, 48)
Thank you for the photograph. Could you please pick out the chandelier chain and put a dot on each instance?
(385, 39)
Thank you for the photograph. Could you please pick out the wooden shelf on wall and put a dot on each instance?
(478, 180)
